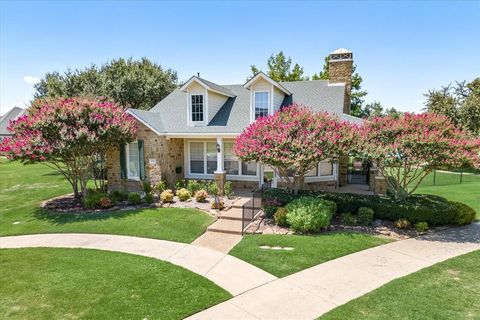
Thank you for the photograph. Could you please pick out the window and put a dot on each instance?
(197, 107)
(261, 104)
(133, 161)
(196, 157)
(326, 169)
(230, 161)
(313, 172)
(211, 157)
(249, 168)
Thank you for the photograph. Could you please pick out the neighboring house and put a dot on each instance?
(190, 133)
(13, 114)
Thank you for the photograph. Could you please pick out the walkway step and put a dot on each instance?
(226, 226)
(232, 214)
(239, 203)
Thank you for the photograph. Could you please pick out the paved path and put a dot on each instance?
(232, 274)
(317, 290)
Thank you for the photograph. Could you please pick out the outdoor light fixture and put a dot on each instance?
(218, 148)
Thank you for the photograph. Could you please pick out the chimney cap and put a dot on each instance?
(341, 54)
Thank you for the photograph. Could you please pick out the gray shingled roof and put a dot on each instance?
(170, 114)
(215, 86)
(10, 115)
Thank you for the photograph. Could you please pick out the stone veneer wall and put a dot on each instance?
(168, 154)
(342, 171)
(340, 71)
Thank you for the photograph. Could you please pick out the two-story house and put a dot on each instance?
(190, 133)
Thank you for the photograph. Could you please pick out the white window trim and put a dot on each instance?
(127, 162)
(269, 107)
(200, 176)
(204, 94)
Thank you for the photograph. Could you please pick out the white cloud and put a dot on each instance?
(31, 80)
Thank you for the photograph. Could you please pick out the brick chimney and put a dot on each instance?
(340, 71)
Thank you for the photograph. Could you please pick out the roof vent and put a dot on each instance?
(341, 54)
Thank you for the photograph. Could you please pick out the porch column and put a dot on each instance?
(220, 175)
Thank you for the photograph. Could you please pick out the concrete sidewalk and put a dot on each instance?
(232, 274)
(312, 292)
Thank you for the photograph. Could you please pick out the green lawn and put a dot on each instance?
(43, 283)
(448, 290)
(467, 192)
(307, 250)
(23, 187)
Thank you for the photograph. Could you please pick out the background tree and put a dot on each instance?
(459, 102)
(357, 93)
(293, 142)
(280, 69)
(137, 84)
(406, 149)
(68, 134)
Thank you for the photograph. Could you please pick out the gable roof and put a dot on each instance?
(208, 85)
(13, 114)
(169, 116)
(268, 79)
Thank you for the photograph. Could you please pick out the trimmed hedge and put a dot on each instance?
(309, 214)
(432, 209)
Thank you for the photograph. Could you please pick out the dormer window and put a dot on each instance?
(261, 104)
(196, 106)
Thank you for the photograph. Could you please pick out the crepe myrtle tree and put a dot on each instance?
(69, 135)
(293, 141)
(406, 149)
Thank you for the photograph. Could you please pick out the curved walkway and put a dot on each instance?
(232, 274)
(313, 292)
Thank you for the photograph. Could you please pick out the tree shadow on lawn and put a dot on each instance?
(58, 218)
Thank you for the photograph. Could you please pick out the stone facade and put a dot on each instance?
(340, 71)
(163, 160)
(343, 171)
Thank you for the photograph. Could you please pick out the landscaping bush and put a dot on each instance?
(147, 187)
(166, 196)
(270, 206)
(119, 195)
(183, 194)
(348, 219)
(280, 217)
(402, 223)
(421, 226)
(105, 203)
(219, 205)
(201, 195)
(228, 189)
(134, 198)
(309, 214)
(464, 214)
(365, 216)
(193, 186)
(181, 184)
(93, 198)
(148, 198)
(432, 209)
(211, 187)
(161, 186)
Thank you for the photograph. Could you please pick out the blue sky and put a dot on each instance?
(402, 49)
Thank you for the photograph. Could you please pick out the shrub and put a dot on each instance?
(270, 206)
(93, 198)
(228, 188)
(219, 205)
(201, 195)
(193, 186)
(119, 195)
(105, 203)
(421, 226)
(161, 186)
(309, 214)
(211, 187)
(402, 223)
(183, 194)
(281, 217)
(432, 209)
(134, 198)
(166, 196)
(463, 214)
(365, 216)
(148, 198)
(147, 187)
(348, 219)
(180, 184)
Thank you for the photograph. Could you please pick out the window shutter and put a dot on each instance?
(141, 160)
(123, 161)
